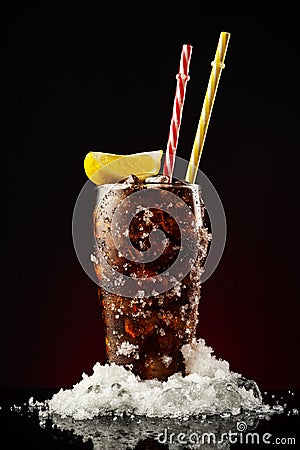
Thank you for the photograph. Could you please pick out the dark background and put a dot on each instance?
(78, 78)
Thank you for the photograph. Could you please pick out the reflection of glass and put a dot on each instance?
(144, 433)
(151, 244)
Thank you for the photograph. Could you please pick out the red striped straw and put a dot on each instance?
(182, 79)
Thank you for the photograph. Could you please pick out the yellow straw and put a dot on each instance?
(217, 66)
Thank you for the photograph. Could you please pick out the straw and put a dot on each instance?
(182, 79)
(217, 66)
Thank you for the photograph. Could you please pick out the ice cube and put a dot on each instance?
(132, 179)
(157, 179)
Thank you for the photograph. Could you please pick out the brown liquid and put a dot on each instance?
(147, 333)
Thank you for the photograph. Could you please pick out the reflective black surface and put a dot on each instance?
(22, 427)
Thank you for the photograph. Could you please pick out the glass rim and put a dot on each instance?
(125, 185)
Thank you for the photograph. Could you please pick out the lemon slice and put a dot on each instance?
(102, 168)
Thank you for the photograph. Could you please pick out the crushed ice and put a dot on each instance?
(210, 388)
(127, 349)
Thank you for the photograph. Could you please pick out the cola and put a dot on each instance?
(151, 242)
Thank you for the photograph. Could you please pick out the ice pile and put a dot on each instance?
(211, 388)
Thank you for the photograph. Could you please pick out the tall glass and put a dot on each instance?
(151, 244)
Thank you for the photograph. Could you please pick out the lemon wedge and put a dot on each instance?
(102, 168)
